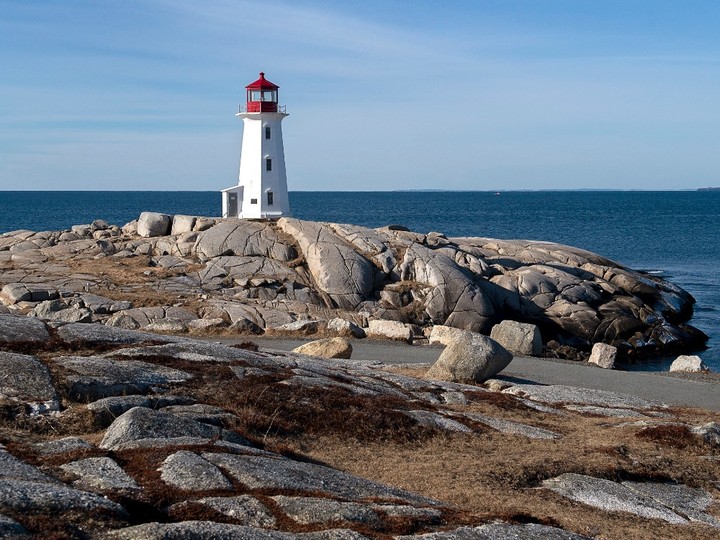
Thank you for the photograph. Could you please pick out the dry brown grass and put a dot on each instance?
(486, 475)
(126, 279)
(498, 476)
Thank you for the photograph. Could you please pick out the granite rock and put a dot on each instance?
(519, 338)
(603, 355)
(26, 380)
(15, 329)
(153, 224)
(693, 364)
(327, 348)
(471, 358)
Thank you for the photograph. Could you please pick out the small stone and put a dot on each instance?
(395, 330)
(519, 338)
(9, 528)
(603, 355)
(709, 432)
(437, 421)
(345, 328)
(297, 327)
(200, 325)
(691, 364)
(167, 325)
(327, 348)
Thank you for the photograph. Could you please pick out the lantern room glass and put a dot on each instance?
(268, 96)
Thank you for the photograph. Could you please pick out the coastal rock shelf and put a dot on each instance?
(266, 276)
(152, 436)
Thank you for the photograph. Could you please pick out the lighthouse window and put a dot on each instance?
(268, 164)
(270, 198)
(253, 201)
(267, 132)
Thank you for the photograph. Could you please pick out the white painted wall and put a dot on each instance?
(255, 180)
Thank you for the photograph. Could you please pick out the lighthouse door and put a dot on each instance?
(232, 205)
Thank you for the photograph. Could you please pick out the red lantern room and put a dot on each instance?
(262, 95)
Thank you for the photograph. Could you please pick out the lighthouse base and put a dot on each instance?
(233, 207)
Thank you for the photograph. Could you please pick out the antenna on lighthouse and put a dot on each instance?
(261, 192)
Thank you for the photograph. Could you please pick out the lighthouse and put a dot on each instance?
(262, 191)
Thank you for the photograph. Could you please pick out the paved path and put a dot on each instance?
(658, 386)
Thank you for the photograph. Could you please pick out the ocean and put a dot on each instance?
(675, 235)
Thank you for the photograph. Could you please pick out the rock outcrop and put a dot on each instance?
(194, 439)
(250, 276)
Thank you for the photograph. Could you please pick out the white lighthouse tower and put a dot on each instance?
(262, 191)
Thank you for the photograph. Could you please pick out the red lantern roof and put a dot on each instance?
(262, 83)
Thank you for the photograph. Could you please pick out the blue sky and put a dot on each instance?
(489, 95)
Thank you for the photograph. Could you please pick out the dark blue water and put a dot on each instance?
(676, 233)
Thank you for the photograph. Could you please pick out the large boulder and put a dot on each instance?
(337, 347)
(444, 335)
(244, 239)
(182, 224)
(471, 358)
(345, 275)
(520, 338)
(454, 297)
(153, 224)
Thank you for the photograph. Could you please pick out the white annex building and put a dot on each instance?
(262, 191)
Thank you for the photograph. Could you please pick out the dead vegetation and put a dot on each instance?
(486, 475)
